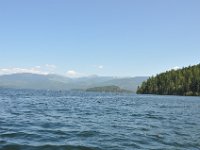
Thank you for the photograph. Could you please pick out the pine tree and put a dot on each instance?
(185, 81)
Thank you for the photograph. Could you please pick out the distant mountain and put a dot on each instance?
(129, 83)
(57, 82)
(31, 81)
(185, 81)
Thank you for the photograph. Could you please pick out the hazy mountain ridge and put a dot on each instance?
(58, 82)
(125, 83)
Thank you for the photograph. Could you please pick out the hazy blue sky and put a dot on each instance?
(104, 37)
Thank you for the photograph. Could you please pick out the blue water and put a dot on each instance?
(47, 120)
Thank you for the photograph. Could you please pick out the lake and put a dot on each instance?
(47, 120)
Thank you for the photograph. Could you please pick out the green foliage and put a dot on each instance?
(185, 81)
(111, 88)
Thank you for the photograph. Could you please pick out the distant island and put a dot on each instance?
(185, 81)
(113, 89)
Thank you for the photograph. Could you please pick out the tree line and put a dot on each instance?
(185, 81)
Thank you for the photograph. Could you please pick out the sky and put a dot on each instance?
(98, 37)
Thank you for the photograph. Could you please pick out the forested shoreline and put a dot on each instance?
(185, 81)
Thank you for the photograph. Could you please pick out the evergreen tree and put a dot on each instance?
(185, 81)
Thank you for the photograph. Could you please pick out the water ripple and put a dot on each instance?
(37, 120)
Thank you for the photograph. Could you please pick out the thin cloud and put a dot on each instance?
(50, 66)
(34, 70)
(176, 68)
(38, 67)
(72, 73)
(100, 67)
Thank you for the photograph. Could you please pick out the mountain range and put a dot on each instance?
(58, 82)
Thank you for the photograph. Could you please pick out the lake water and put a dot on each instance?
(46, 120)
